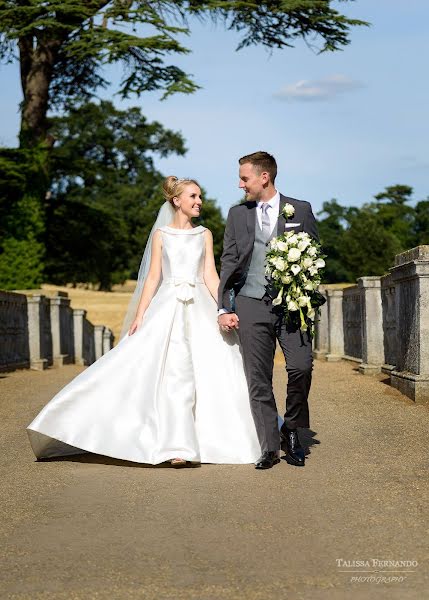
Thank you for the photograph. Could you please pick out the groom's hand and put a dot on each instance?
(228, 321)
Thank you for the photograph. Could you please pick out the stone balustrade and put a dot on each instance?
(39, 332)
(383, 324)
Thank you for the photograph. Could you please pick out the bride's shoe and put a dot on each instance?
(178, 462)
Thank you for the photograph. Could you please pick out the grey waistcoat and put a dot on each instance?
(255, 285)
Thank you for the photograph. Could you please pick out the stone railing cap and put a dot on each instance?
(369, 282)
(420, 253)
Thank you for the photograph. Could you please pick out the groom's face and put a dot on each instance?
(252, 182)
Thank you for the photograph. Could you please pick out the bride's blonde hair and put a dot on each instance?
(173, 187)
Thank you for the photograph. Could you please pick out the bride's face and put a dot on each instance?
(189, 202)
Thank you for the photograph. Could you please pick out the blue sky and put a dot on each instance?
(341, 125)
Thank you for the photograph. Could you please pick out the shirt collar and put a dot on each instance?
(274, 202)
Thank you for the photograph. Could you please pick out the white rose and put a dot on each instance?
(307, 263)
(282, 246)
(295, 269)
(294, 254)
(288, 210)
(312, 251)
(292, 306)
(273, 244)
(303, 301)
(312, 270)
(303, 244)
(320, 263)
(286, 278)
(309, 286)
(292, 238)
(280, 264)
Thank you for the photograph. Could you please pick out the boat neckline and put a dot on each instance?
(176, 230)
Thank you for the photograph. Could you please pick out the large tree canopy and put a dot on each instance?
(105, 193)
(62, 45)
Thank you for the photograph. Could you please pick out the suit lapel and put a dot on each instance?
(251, 221)
(281, 222)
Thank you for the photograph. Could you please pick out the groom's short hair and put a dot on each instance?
(262, 161)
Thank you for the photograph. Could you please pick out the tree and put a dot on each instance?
(63, 44)
(21, 218)
(421, 223)
(364, 241)
(106, 193)
(368, 248)
(331, 230)
(394, 213)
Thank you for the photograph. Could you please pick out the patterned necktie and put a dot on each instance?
(266, 225)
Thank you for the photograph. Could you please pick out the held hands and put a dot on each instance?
(228, 321)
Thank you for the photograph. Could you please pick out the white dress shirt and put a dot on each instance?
(272, 211)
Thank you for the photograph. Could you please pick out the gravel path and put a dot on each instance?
(90, 527)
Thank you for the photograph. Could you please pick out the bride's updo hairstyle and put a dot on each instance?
(173, 187)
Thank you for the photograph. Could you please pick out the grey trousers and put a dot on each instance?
(261, 325)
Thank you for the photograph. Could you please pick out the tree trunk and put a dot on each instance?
(36, 73)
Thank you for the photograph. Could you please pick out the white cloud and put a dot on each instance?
(321, 89)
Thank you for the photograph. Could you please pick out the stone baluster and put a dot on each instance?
(372, 325)
(321, 329)
(335, 325)
(79, 314)
(59, 306)
(98, 340)
(108, 339)
(38, 332)
(411, 277)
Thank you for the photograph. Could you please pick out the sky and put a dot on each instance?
(341, 125)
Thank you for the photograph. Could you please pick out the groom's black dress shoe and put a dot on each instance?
(267, 460)
(289, 443)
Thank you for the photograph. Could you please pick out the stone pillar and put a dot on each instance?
(79, 314)
(14, 342)
(321, 330)
(98, 340)
(58, 306)
(372, 325)
(411, 277)
(108, 339)
(335, 325)
(36, 330)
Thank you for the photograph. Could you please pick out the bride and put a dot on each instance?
(174, 388)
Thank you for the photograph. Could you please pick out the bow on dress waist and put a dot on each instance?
(184, 286)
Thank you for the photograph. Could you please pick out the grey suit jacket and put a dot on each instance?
(239, 238)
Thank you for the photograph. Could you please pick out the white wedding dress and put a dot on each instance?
(176, 388)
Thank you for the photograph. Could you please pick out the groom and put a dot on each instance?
(245, 303)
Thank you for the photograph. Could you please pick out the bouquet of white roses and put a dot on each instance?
(294, 263)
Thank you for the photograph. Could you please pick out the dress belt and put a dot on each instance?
(184, 286)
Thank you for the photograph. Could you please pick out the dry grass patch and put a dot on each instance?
(103, 308)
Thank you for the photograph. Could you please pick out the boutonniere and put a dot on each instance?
(288, 211)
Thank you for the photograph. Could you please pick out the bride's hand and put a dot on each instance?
(135, 325)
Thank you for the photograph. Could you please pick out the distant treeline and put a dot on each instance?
(104, 195)
(363, 241)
